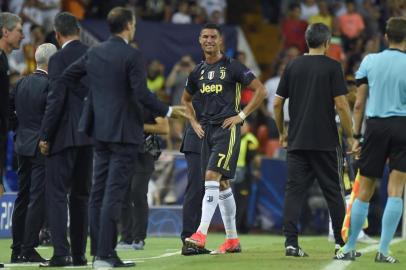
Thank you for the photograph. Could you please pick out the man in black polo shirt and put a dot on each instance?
(314, 84)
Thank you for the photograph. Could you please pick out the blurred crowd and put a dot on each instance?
(357, 29)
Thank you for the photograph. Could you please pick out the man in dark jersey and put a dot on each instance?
(11, 35)
(135, 210)
(219, 81)
(314, 85)
(192, 202)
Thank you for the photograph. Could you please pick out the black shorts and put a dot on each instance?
(384, 138)
(220, 150)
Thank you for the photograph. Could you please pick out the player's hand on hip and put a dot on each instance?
(44, 147)
(179, 112)
(231, 122)
(197, 128)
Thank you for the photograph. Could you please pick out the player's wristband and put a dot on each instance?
(357, 136)
(242, 115)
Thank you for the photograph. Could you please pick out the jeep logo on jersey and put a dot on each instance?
(212, 88)
(210, 75)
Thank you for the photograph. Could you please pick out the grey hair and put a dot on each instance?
(9, 21)
(44, 52)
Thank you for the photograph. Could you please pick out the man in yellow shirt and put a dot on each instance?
(324, 16)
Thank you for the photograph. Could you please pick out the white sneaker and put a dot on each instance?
(366, 239)
(138, 245)
(123, 246)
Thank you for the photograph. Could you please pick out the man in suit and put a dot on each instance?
(70, 157)
(117, 87)
(11, 34)
(27, 107)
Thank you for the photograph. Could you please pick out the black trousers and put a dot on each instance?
(113, 168)
(242, 194)
(3, 151)
(192, 202)
(303, 167)
(69, 175)
(29, 208)
(134, 216)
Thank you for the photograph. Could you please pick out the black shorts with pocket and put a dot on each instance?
(384, 139)
(220, 150)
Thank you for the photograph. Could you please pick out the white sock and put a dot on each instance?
(228, 210)
(209, 205)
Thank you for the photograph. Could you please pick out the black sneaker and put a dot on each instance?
(31, 256)
(349, 256)
(295, 252)
(111, 261)
(15, 257)
(337, 248)
(190, 251)
(45, 237)
(380, 258)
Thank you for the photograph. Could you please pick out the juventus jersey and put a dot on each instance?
(219, 85)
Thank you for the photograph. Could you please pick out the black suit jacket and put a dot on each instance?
(64, 106)
(117, 83)
(27, 107)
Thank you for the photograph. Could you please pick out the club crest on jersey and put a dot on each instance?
(210, 75)
(222, 73)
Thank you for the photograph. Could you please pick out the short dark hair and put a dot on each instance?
(66, 24)
(36, 26)
(317, 34)
(293, 6)
(118, 18)
(212, 26)
(396, 29)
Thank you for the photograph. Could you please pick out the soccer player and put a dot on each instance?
(382, 95)
(315, 86)
(219, 80)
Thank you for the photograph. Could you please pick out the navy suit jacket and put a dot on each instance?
(64, 105)
(27, 107)
(117, 81)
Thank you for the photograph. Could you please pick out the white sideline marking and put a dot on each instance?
(137, 260)
(168, 254)
(341, 265)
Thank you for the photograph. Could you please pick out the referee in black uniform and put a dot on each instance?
(314, 84)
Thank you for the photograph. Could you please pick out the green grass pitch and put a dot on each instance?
(259, 252)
